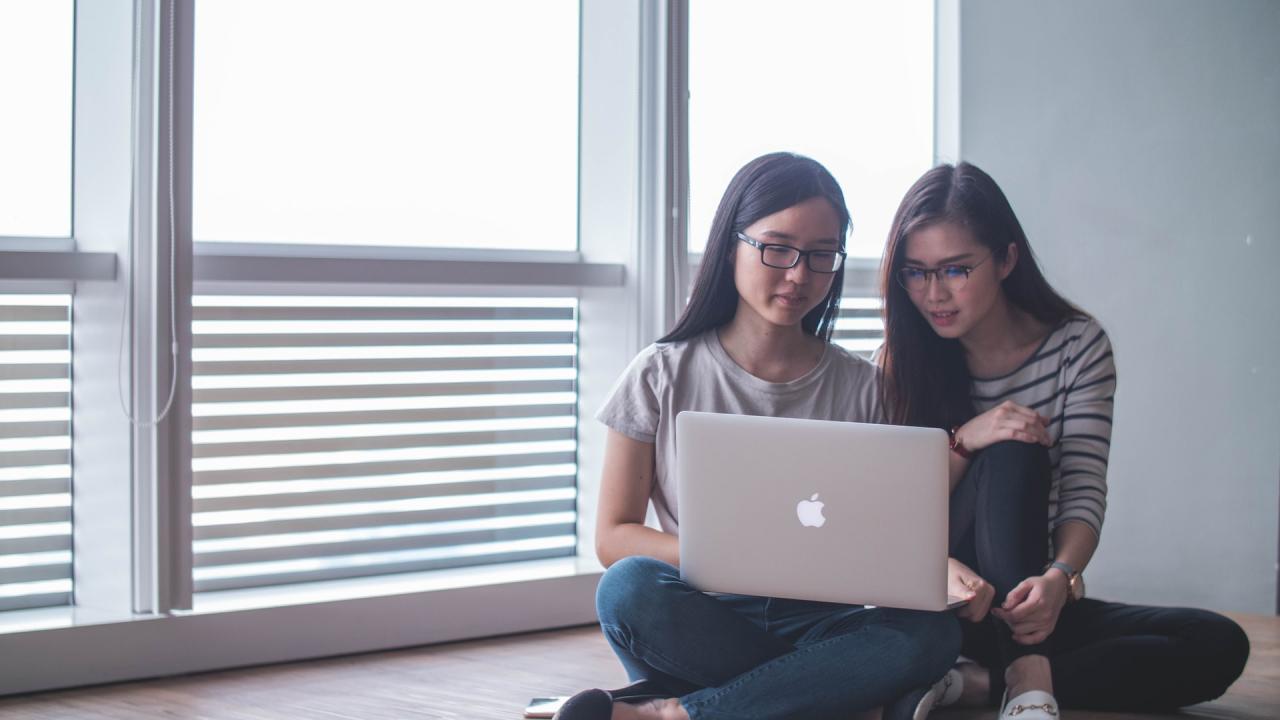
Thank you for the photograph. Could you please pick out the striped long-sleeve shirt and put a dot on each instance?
(1071, 379)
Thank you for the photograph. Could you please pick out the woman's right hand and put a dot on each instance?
(1006, 421)
(963, 582)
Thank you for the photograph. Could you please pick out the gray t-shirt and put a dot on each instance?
(697, 374)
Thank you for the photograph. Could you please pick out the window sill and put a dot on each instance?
(309, 264)
(70, 647)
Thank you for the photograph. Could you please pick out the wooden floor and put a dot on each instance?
(487, 679)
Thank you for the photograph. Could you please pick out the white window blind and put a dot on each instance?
(337, 437)
(35, 451)
(859, 328)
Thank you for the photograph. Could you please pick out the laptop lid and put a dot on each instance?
(814, 510)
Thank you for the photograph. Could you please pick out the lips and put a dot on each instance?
(791, 300)
(943, 318)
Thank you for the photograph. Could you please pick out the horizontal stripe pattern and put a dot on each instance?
(859, 327)
(339, 437)
(35, 451)
(1070, 379)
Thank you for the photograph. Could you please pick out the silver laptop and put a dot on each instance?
(814, 510)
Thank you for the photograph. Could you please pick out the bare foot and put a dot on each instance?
(1030, 672)
(976, 688)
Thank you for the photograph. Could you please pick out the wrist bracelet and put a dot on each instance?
(1066, 569)
(958, 447)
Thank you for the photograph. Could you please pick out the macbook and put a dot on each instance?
(839, 512)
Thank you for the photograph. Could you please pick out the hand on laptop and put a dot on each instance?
(962, 582)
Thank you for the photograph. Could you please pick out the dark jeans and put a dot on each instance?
(742, 657)
(1105, 656)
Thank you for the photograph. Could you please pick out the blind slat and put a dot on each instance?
(23, 599)
(341, 522)
(373, 365)
(290, 420)
(339, 312)
(33, 313)
(34, 342)
(32, 401)
(35, 486)
(33, 457)
(33, 516)
(301, 472)
(379, 339)
(362, 566)
(34, 371)
(34, 429)
(380, 442)
(379, 494)
(300, 550)
(378, 391)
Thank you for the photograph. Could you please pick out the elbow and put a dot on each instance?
(604, 550)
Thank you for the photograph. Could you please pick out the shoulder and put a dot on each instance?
(660, 360)
(1088, 358)
(1086, 339)
(852, 366)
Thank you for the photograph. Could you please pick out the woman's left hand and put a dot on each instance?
(1031, 609)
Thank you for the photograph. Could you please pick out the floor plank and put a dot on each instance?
(487, 679)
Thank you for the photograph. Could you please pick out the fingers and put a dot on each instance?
(1031, 638)
(1017, 595)
(1015, 422)
(979, 603)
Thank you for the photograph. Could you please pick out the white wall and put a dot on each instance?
(1139, 142)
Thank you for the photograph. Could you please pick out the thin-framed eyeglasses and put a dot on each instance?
(952, 277)
(785, 257)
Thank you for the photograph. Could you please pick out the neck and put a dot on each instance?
(770, 352)
(1005, 329)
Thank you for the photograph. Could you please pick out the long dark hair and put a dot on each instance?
(769, 184)
(926, 381)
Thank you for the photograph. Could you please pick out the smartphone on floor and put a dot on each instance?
(544, 707)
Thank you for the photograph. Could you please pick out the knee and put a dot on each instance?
(934, 645)
(1222, 647)
(628, 586)
(1017, 464)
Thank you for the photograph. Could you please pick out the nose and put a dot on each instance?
(799, 273)
(935, 289)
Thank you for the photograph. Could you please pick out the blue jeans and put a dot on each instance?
(742, 657)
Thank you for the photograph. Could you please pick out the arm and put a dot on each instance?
(1074, 542)
(624, 498)
(1032, 607)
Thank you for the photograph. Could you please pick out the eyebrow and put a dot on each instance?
(778, 235)
(944, 261)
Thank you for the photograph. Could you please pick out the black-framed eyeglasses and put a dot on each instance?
(785, 257)
(952, 277)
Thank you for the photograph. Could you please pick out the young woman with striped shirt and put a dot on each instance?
(978, 343)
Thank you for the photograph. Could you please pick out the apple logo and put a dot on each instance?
(810, 512)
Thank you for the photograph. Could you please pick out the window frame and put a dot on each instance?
(631, 274)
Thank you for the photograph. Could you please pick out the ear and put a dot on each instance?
(1010, 260)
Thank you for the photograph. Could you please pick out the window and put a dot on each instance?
(415, 245)
(847, 83)
(341, 436)
(392, 122)
(35, 127)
